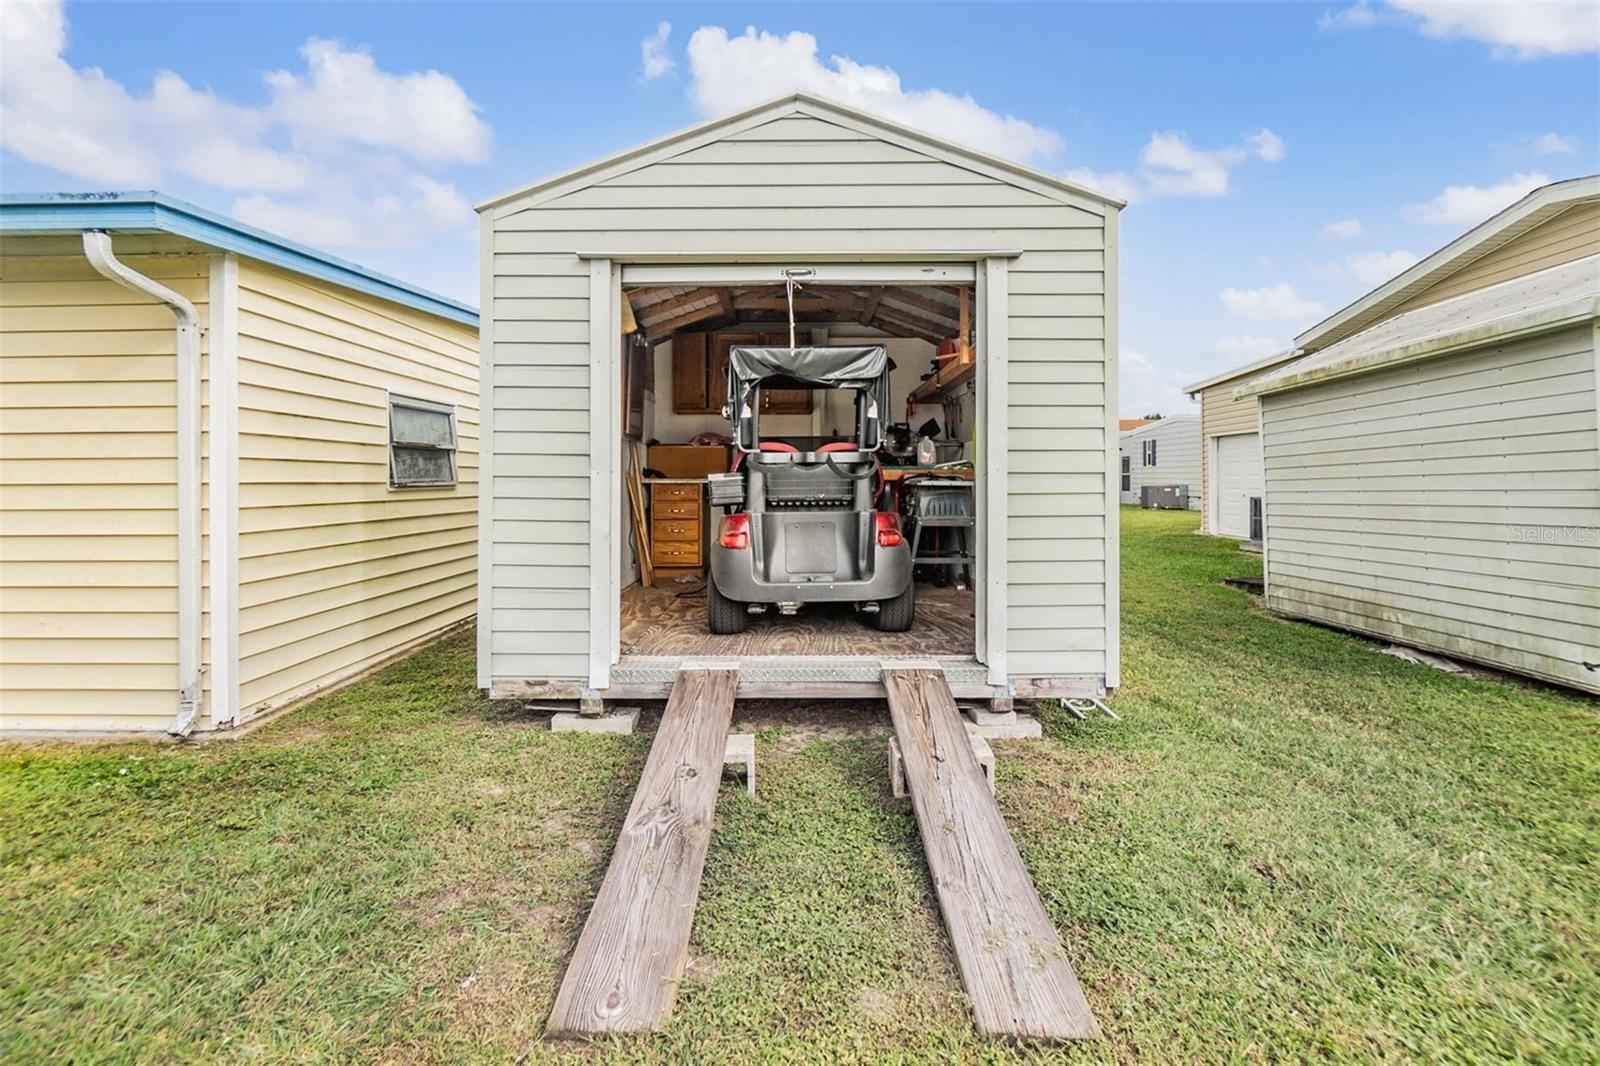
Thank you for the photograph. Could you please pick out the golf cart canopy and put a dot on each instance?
(818, 368)
(863, 369)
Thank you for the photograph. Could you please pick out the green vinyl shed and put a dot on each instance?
(883, 217)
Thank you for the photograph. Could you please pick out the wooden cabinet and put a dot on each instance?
(690, 393)
(677, 526)
(700, 373)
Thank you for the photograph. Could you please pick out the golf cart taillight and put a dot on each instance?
(735, 532)
(889, 535)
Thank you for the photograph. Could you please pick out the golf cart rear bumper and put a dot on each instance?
(732, 571)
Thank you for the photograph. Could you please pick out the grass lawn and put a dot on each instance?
(1290, 847)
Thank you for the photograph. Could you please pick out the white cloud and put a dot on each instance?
(1247, 348)
(1344, 228)
(343, 96)
(1462, 205)
(1117, 183)
(343, 217)
(82, 123)
(1174, 167)
(1267, 146)
(330, 158)
(1144, 387)
(729, 73)
(654, 59)
(1514, 29)
(1171, 166)
(1374, 268)
(1553, 144)
(1274, 303)
(1359, 15)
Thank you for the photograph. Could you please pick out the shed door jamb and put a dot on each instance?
(993, 349)
(604, 339)
(606, 278)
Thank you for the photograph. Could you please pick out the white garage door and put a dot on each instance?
(1238, 479)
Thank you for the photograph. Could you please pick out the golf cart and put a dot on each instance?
(806, 527)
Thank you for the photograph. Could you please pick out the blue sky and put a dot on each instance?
(1283, 158)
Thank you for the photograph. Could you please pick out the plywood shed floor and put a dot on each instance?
(659, 621)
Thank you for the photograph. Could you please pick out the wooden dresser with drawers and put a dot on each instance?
(678, 513)
(677, 525)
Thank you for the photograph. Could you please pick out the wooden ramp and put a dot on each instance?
(1011, 958)
(629, 960)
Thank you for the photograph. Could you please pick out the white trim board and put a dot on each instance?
(606, 278)
(1113, 535)
(911, 269)
(486, 407)
(604, 602)
(994, 336)
(223, 502)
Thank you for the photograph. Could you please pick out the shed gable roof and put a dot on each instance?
(1554, 298)
(799, 104)
(1259, 366)
(1537, 207)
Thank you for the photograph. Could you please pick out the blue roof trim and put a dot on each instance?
(154, 212)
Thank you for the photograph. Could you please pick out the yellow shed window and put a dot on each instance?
(422, 443)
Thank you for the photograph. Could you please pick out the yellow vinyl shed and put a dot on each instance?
(233, 471)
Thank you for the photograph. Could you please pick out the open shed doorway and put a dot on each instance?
(676, 344)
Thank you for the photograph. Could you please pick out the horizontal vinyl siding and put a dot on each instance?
(1567, 237)
(797, 184)
(1403, 504)
(337, 571)
(1056, 439)
(88, 469)
(1177, 457)
(539, 598)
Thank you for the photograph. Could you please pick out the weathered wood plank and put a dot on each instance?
(630, 957)
(1011, 959)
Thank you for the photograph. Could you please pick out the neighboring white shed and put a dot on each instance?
(888, 219)
(1165, 452)
(1434, 478)
(1230, 450)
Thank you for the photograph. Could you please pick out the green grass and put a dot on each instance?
(1290, 847)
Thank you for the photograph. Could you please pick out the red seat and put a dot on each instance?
(777, 446)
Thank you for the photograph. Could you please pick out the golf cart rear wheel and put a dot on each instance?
(895, 616)
(722, 614)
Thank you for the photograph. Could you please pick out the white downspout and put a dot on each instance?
(97, 247)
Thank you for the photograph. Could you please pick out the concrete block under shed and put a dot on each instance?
(621, 721)
(741, 751)
(1007, 726)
